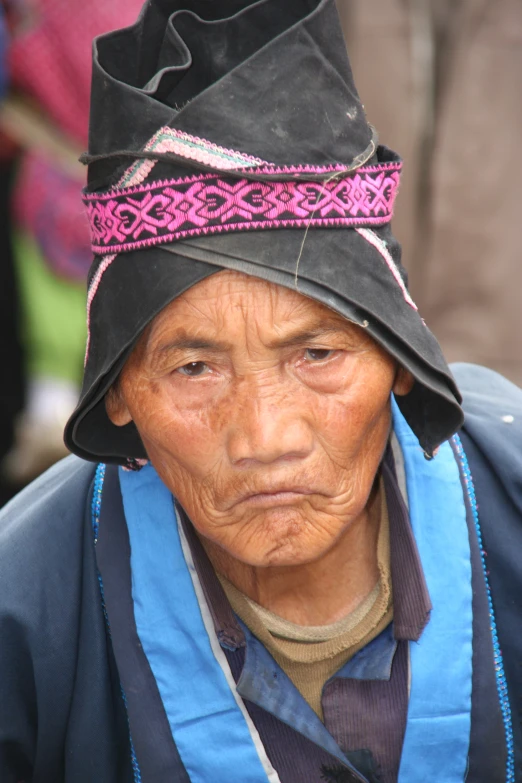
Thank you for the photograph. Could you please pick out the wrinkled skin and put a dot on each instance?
(267, 415)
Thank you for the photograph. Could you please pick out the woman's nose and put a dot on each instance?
(269, 422)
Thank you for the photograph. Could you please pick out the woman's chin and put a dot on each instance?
(284, 538)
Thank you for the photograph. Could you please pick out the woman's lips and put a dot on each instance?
(279, 497)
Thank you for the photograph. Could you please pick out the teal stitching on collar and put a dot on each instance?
(99, 478)
(497, 654)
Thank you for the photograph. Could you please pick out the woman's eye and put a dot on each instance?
(317, 354)
(193, 369)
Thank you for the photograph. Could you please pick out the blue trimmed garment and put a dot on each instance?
(62, 714)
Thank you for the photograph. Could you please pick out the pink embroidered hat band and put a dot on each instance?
(139, 213)
(230, 135)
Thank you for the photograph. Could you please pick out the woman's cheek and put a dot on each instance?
(192, 438)
(347, 420)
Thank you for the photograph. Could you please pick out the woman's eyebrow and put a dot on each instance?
(161, 354)
(299, 337)
(191, 344)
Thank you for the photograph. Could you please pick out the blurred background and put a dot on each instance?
(441, 80)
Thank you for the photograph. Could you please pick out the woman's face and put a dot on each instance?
(264, 412)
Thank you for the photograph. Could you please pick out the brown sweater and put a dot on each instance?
(310, 655)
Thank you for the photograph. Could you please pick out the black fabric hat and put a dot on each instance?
(228, 134)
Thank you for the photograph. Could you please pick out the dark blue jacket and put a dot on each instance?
(62, 716)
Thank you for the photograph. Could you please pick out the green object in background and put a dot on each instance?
(53, 316)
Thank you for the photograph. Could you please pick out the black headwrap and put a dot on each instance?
(228, 134)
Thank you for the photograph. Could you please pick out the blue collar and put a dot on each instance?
(209, 722)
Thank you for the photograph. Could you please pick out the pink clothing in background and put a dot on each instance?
(50, 62)
(50, 54)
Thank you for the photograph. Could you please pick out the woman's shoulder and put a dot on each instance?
(488, 395)
(43, 525)
(493, 427)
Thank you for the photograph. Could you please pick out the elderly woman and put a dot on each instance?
(298, 572)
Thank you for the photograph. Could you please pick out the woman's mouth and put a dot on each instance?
(285, 496)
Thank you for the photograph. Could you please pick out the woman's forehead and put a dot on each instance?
(230, 303)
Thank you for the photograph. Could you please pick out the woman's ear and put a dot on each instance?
(116, 407)
(404, 381)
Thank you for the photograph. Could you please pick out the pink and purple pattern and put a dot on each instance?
(160, 212)
(93, 288)
(380, 245)
(190, 147)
